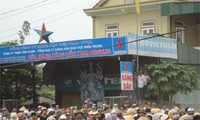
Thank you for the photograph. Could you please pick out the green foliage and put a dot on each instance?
(48, 91)
(24, 32)
(9, 43)
(169, 78)
(22, 35)
(18, 83)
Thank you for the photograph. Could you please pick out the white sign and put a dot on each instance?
(126, 69)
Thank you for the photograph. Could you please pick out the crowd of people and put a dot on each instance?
(90, 111)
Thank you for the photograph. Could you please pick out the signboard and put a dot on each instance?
(91, 81)
(67, 83)
(72, 83)
(126, 69)
(112, 82)
(64, 50)
(119, 45)
(153, 47)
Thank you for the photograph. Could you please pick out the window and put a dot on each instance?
(148, 27)
(112, 34)
(112, 30)
(180, 34)
(128, 1)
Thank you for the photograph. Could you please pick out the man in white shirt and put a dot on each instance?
(147, 78)
(146, 81)
(141, 81)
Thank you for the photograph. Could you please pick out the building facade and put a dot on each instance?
(178, 19)
(118, 17)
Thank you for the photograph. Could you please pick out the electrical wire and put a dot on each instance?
(56, 14)
(6, 66)
(23, 7)
(27, 10)
(73, 11)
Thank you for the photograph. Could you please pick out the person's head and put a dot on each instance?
(57, 107)
(44, 111)
(119, 114)
(62, 117)
(173, 114)
(84, 112)
(39, 107)
(190, 111)
(176, 115)
(96, 115)
(115, 106)
(34, 115)
(14, 110)
(20, 115)
(13, 116)
(50, 111)
(100, 110)
(142, 112)
(113, 112)
(196, 117)
(186, 109)
(164, 106)
(78, 114)
(148, 110)
(91, 115)
(141, 72)
(149, 117)
(88, 99)
(85, 105)
(68, 116)
(153, 104)
(130, 111)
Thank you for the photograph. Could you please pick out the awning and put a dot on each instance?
(168, 9)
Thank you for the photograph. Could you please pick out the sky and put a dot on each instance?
(63, 17)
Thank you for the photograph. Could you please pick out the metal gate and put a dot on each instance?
(12, 103)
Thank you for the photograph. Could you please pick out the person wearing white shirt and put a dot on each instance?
(141, 81)
(146, 81)
(147, 78)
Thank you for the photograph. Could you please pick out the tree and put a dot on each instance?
(20, 81)
(22, 35)
(9, 43)
(48, 91)
(169, 79)
(24, 32)
(17, 82)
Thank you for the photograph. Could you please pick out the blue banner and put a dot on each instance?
(153, 47)
(64, 50)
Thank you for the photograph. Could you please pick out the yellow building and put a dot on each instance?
(164, 17)
(179, 19)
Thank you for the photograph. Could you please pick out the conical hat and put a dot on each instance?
(22, 109)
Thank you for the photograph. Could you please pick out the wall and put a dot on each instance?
(121, 2)
(113, 2)
(192, 37)
(71, 99)
(127, 23)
